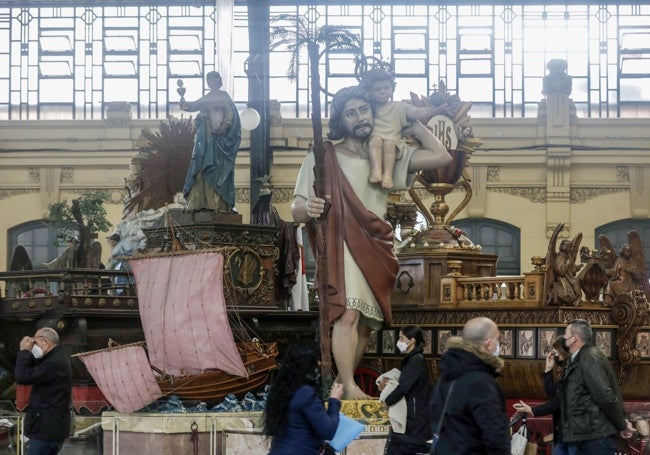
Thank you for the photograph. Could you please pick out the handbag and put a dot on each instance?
(531, 448)
(436, 434)
(347, 430)
(519, 441)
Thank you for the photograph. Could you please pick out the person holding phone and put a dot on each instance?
(555, 361)
(44, 364)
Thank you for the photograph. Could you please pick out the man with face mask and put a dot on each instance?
(44, 365)
(467, 399)
(591, 404)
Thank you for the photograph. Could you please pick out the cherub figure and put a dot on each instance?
(626, 272)
(390, 118)
(562, 287)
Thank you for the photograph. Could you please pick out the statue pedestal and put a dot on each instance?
(226, 433)
(420, 271)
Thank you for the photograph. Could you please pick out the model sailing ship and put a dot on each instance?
(191, 346)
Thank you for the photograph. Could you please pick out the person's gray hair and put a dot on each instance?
(477, 330)
(50, 335)
(582, 329)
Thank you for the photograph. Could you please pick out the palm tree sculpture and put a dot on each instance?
(303, 33)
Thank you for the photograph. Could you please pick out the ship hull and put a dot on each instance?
(211, 387)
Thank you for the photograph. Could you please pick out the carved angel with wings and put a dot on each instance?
(626, 272)
(562, 286)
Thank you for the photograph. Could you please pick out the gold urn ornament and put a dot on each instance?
(454, 131)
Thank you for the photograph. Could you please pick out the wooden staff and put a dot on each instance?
(320, 223)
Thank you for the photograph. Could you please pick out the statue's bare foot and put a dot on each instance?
(387, 182)
(375, 176)
(353, 392)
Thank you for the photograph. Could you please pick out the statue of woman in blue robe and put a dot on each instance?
(210, 180)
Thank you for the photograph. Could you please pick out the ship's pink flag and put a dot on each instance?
(124, 376)
(183, 313)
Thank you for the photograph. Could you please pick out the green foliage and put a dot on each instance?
(87, 211)
(294, 33)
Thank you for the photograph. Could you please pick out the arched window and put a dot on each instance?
(616, 233)
(39, 239)
(496, 237)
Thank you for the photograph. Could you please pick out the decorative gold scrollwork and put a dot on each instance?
(244, 270)
(629, 312)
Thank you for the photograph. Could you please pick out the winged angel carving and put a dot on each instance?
(562, 286)
(627, 272)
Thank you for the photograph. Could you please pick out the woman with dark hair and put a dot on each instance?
(295, 417)
(414, 386)
(555, 361)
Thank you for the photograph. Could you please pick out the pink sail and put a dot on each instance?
(183, 313)
(124, 376)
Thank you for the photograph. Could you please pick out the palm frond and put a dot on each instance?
(337, 37)
(295, 39)
(282, 37)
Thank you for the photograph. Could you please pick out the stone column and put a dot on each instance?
(556, 116)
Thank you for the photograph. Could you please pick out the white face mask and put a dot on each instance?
(37, 352)
(497, 351)
(402, 346)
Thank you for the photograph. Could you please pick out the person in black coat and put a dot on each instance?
(415, 387)
(592, 411)
(475, 420)
(45, 365)
(555, 361)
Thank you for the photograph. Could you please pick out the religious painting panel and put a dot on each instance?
(372, 343)
(388, 342)
(428, 341)
(526, 343)
(603, 340)
(643, 343)
(506, 343)
(545, 339)
(443, 336)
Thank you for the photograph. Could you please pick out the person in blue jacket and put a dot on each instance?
(295, 417)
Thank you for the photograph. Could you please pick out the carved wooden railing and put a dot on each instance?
(33, 291)
(459, 291)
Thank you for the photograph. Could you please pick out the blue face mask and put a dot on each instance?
(497, 351)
